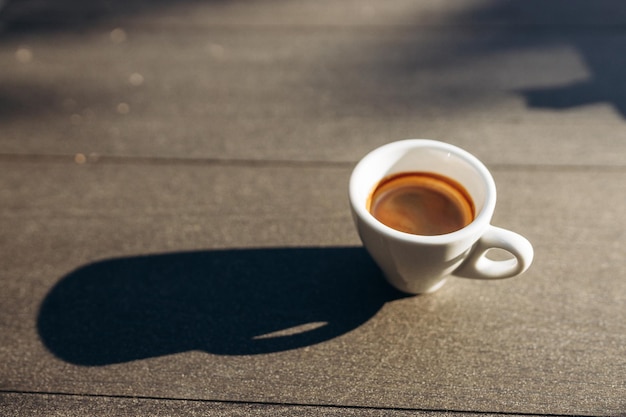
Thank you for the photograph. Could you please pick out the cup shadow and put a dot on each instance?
(226, 302)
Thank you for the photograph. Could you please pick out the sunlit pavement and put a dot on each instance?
(175, 234)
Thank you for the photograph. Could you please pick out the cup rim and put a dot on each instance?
(480, 222)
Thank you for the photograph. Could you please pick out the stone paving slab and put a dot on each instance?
(243, 92)
(474, 13)
(247, 284)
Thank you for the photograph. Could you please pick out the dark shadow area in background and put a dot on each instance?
(19, 16)
(229, 302)
(594, 29)
(458, 45)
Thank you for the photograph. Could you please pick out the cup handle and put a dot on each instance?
(478, 266)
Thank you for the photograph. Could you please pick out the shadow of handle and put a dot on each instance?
(479, 266)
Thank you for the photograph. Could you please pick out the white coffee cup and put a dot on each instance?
(418, 264)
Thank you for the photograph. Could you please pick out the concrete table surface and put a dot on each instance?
(175, 236)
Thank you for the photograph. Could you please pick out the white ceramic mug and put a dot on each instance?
(420, 264)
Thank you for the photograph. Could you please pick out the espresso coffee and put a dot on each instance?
(421, 203)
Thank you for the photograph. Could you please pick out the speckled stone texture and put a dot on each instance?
(175, 235)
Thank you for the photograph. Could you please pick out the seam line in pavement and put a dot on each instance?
(17, 28)
(286, 163)
(148, 160)
(287, 404)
